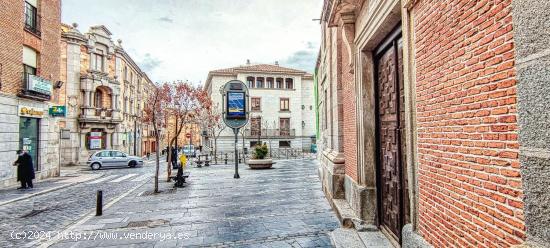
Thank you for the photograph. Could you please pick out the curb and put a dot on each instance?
(45, 191)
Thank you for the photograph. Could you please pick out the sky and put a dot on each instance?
(185, 39)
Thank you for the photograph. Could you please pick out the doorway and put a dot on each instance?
(29, 138)
(392, 193)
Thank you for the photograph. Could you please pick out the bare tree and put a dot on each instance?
(154, 113)
(211, 121)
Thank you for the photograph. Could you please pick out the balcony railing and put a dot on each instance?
(35, 87)
(269, 133)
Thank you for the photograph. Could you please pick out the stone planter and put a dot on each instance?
(260, 163)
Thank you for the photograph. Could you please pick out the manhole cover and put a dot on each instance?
(151, 192)
(147, 223)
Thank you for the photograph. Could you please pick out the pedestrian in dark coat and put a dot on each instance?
(174, 158)
(25, 169)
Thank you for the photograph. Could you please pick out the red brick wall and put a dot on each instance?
(349, 125)
(13, 37)
(469, 179)
(11, 48)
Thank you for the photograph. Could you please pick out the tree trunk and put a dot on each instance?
(157, 138)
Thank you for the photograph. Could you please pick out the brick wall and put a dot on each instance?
(11, 49)
(349, 118)
(469, 179)
(13, 37)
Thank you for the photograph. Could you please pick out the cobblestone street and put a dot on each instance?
(55, 210)
(281, 207)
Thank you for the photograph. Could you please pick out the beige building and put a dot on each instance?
(104, 94)
(281, 106)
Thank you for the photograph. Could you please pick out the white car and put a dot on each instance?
(112, 158)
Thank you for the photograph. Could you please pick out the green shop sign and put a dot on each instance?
(58, 111)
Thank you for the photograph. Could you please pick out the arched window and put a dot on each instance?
(260, 82)
(289, 83)
(250, 82)
(280, 83)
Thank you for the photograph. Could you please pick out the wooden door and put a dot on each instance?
(392, 186)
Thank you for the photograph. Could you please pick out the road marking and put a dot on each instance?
(120, 179)
(102, 179)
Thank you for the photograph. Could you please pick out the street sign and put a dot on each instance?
(56, 111)
(235, 99)
(235, 113)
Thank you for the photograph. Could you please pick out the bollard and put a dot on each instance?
(226, 158)
(99, 203)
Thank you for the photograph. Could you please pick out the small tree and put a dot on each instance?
(154, 114)
(182, 102)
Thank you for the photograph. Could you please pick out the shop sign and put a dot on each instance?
(26, 111)
(40, 85)
(58, 111)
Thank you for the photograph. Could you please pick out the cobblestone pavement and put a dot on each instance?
(281, 207)
(55, 210)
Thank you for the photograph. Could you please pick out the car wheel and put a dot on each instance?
(132, 164)
(95, 166)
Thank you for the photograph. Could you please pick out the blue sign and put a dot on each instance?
(236, 108)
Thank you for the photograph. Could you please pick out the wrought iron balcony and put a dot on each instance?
(99, 115)
(35, 87)
(273, 133)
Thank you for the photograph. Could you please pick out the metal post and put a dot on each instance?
(177, 137)
(135, 137)
(99, 203)
(236, 131)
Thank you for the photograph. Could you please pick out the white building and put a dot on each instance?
(282, 113)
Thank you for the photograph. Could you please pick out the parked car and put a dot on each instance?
(112, 158)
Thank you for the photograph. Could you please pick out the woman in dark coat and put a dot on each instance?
(25, 169)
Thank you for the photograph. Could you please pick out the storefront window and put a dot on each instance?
(28, 138)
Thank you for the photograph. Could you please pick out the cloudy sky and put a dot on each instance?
(184, 39)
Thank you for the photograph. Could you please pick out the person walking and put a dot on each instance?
(25, 169)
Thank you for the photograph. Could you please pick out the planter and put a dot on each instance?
(260, 163)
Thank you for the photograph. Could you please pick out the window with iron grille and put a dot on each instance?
(32, 22)
(256, 104)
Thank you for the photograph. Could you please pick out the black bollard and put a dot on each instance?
(226, 158)
(99, 203)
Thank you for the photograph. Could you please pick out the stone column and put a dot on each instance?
(532, 43)
(87, 98)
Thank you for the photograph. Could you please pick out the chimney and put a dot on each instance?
(277, 63)
(248, 62)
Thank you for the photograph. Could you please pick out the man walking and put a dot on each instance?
(25, 169)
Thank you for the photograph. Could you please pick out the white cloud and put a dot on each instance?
(184, 39)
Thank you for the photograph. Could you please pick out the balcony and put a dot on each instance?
(35, 87)
(99, 115)
(270, 133)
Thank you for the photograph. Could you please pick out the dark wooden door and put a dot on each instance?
(392, 186)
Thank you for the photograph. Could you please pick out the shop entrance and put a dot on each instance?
(29, 138)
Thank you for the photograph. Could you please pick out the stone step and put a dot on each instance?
(350, 238)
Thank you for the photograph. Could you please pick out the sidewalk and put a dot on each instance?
(280, 207)
(69, 176)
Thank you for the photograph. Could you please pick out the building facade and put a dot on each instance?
(29, 85)
(189, 128)
(281, 106)
(429, 122)
(104, 93)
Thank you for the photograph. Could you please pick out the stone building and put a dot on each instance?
(29, 85)
(281, 106)
(432, 127)
(189, 128)
(104, 93)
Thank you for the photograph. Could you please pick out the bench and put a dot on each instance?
(179, 178)
(200, 162)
